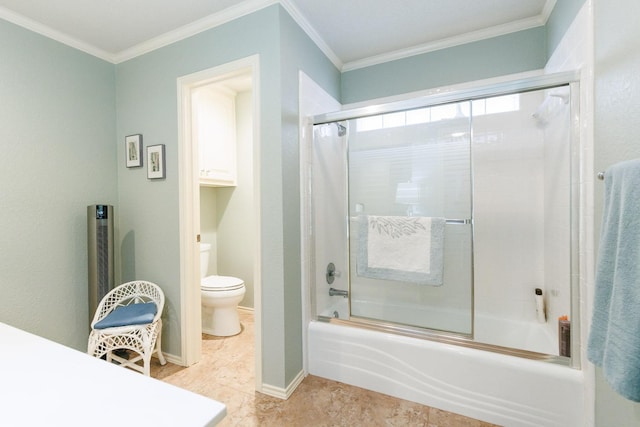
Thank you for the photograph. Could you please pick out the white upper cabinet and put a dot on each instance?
(214, 132)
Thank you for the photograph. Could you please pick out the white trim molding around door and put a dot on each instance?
(190, 311)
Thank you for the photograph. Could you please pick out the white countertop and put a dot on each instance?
(43, 383)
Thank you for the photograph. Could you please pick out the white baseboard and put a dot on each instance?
(282, 393)
(177, 360)
(247, 310)
(172, 358)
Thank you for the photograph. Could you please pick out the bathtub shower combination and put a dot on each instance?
(445, 247)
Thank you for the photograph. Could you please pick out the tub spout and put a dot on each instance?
(333, 291)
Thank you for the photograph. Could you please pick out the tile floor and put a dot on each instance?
(226, 373)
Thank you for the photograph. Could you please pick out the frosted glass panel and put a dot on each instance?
(522, 218)
(413, 164)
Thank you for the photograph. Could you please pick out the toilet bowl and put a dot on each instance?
(220, 296)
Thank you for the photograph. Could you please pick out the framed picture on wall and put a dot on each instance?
(133, 150)
(155, 162)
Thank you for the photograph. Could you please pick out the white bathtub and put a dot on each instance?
(492, 387)
(488, 329)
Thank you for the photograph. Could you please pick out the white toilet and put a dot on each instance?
(220, 298)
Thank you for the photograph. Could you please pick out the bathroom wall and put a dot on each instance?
(508, 54)
(299, 53)
(554, 120)
(57, 132)
(508, 211)
(617, 132)
(561, 18)
(146, 94)
(234, 211)
(575, 52)
(227, 213)
(327, 210)
(147, 103)
(209, 224)
(313, 100)
(497, 56)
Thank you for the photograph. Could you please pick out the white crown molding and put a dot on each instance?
(474, 36)
(548, 8)
(250, 6)
(311, 32)
(56, 35)
(203, 24)
(206, 23)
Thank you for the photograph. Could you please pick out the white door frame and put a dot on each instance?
(189, 199)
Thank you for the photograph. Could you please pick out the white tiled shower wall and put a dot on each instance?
(313, 101)
(576, 52)
(508, 212)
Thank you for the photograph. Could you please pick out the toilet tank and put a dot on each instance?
(205, 248)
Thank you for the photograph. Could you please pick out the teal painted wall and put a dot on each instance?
(57, 133)
(147, 104)
(149, 222)
(563, 14)
(508, 54)
(298, 53)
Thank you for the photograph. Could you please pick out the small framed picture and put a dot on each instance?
(155, 162)
(133, 150)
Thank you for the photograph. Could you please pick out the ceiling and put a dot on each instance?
(352, 33)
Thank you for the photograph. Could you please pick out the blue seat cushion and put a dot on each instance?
(132, 314)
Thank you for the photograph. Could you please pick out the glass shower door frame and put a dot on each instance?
(405, 176)
(438, 97)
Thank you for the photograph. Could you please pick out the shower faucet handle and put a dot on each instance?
(338, 292)
(332, 273)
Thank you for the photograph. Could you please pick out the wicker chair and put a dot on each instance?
(128, 318)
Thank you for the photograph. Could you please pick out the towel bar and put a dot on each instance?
(458, 221)
(601, 176)
(447, 221)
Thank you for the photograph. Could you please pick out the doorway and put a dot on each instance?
(239, 75)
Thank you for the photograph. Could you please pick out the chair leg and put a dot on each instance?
(92, 344)
(146, 364)
(158, 348)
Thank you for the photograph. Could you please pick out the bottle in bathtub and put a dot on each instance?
(540, 311)
(564, 336)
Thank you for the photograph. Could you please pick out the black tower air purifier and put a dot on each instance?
(100, 250)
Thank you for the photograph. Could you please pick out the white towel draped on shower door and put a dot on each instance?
(401, 248)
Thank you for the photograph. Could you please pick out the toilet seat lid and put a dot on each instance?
(221, 283)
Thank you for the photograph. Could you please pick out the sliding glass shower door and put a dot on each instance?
(410, 210)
